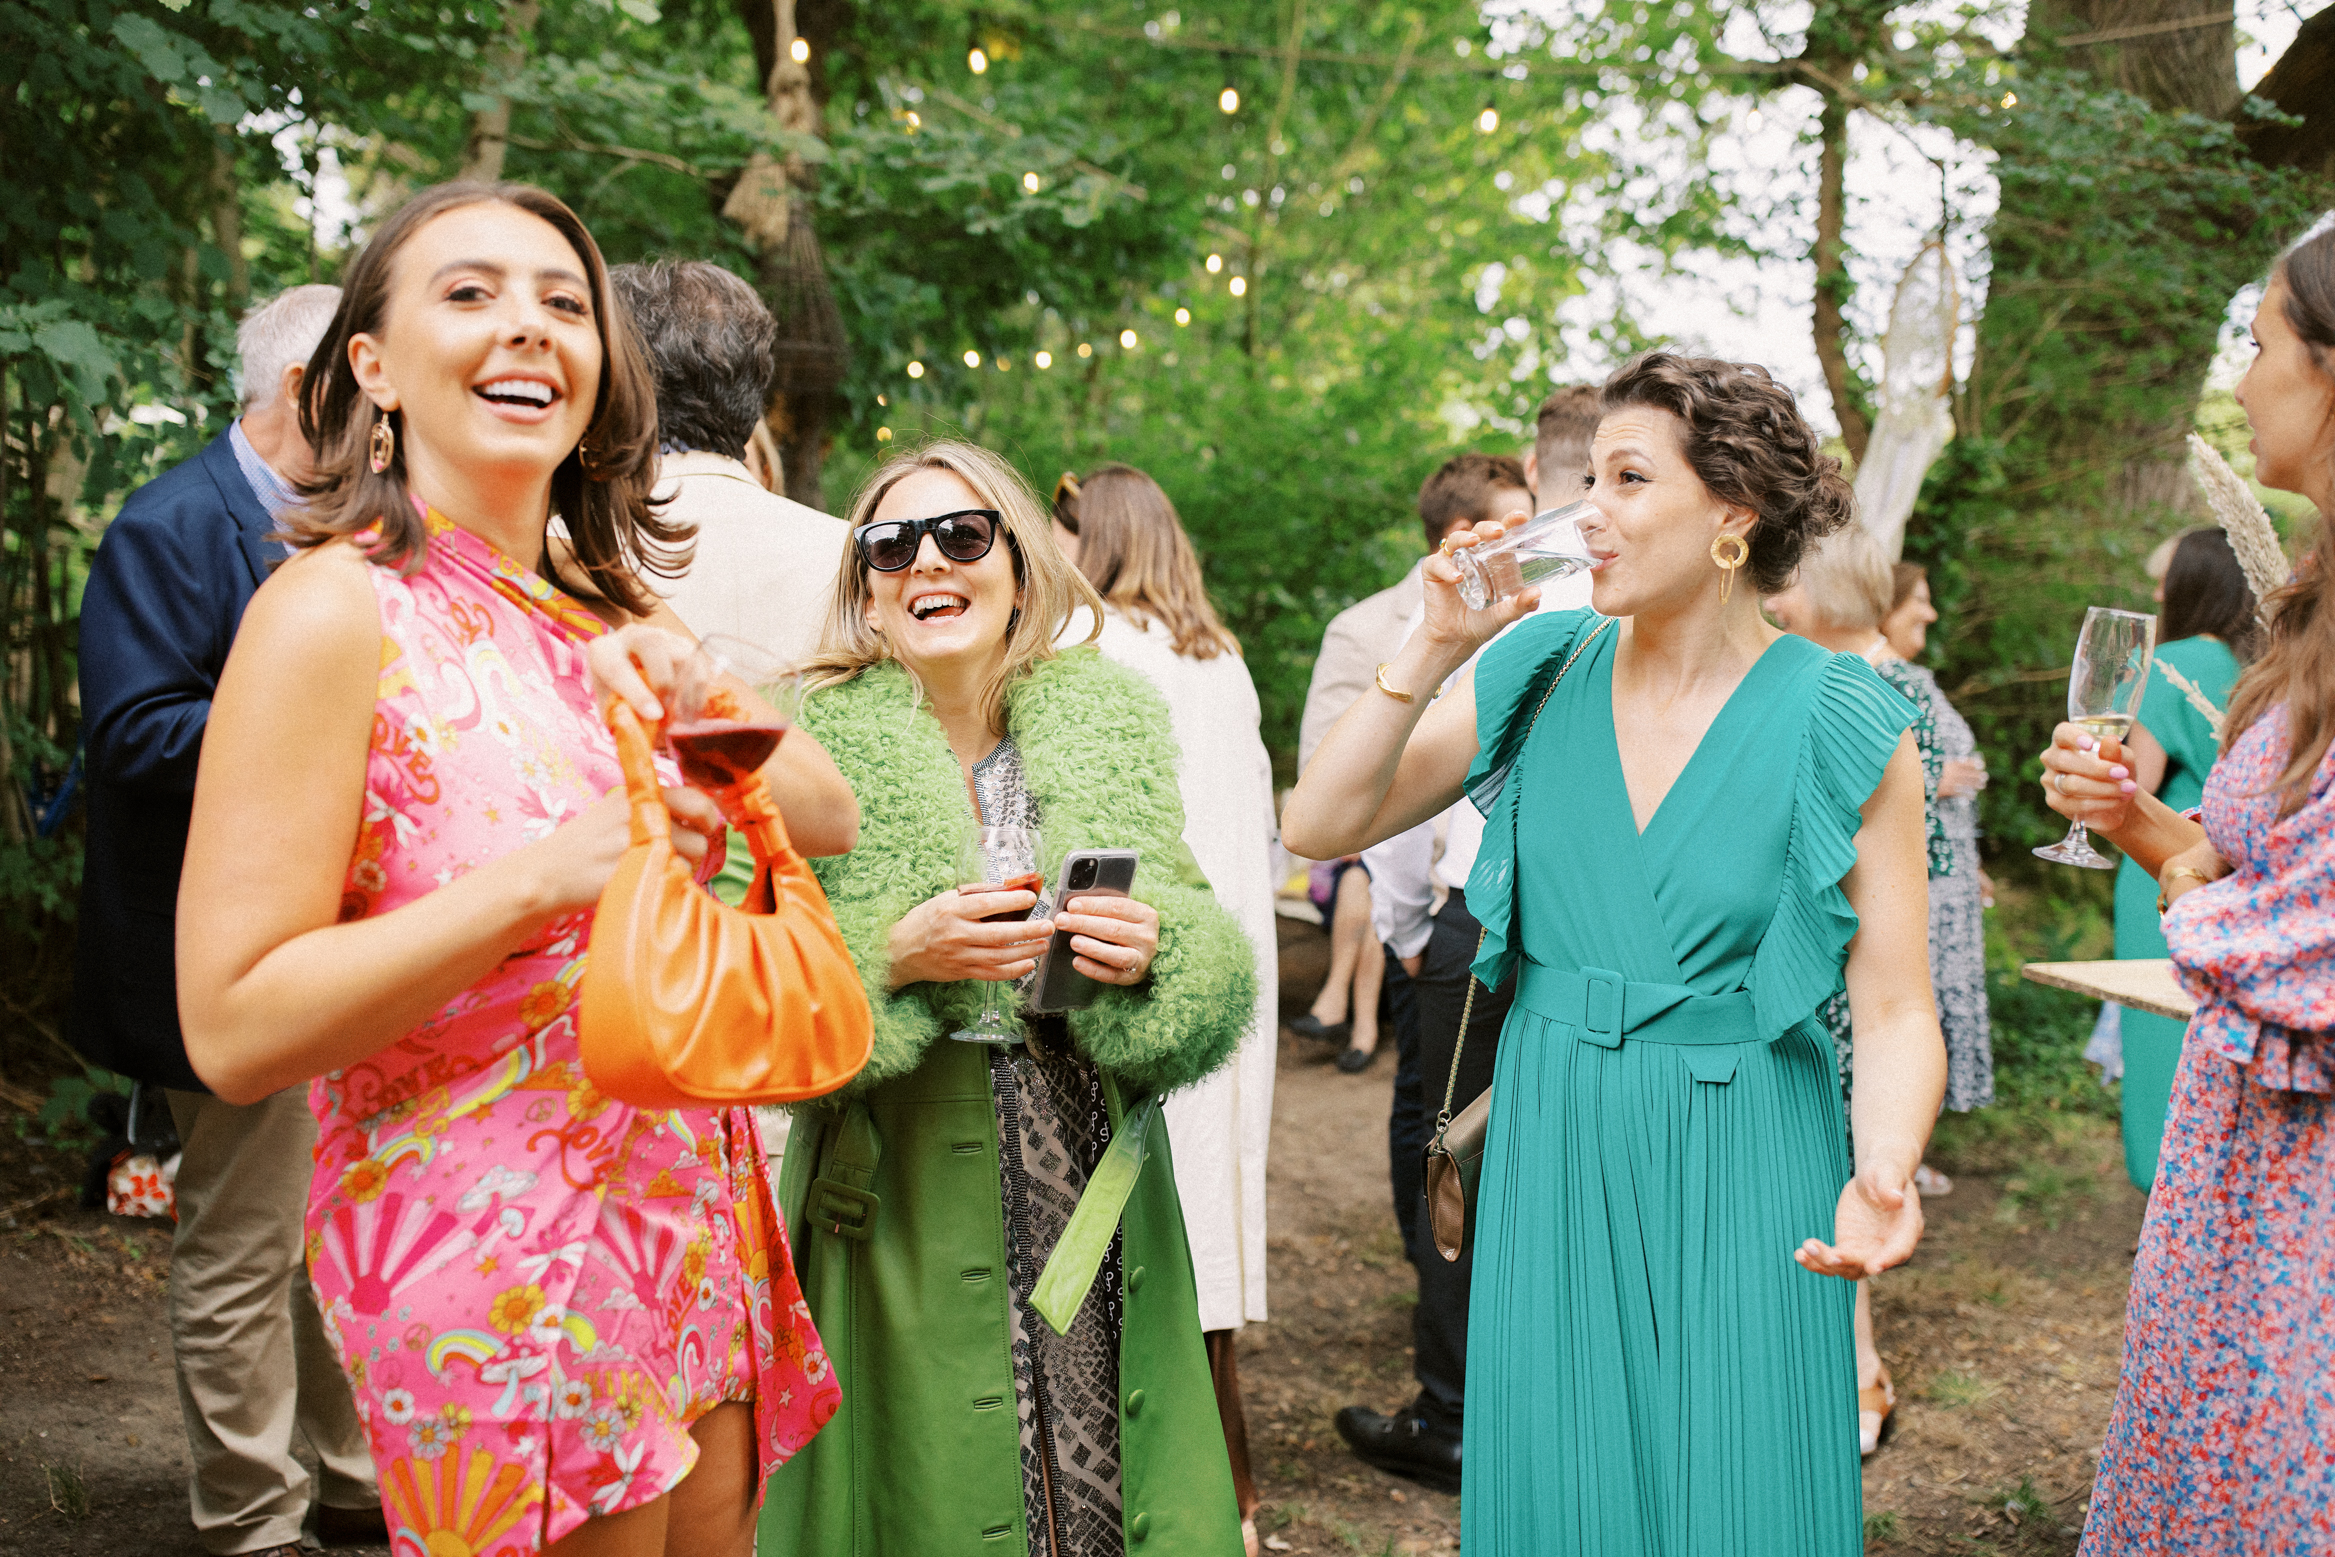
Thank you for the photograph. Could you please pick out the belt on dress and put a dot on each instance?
(1602, 1008)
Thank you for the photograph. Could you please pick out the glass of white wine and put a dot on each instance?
(2104, 690)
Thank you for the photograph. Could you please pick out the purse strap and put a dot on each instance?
(1468, 1007)
(753, 810)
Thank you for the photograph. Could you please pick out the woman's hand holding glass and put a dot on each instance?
(1448, 626)
(946, 938)
(2087, 780)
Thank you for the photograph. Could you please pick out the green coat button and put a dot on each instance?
(1135, 1403)
(1140, 1526)
(1135, 1279)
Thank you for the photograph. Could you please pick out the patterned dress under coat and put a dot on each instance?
(2223, 1436)
(534, 1289)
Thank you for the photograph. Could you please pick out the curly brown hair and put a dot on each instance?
(1746, 439)
(601, 489)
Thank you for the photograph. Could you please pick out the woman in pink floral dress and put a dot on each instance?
(2223, 1437)
(571, 1325)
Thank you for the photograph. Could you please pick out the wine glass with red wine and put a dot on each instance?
(718, 737)
(999, 859)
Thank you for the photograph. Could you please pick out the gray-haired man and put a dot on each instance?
(165, 594)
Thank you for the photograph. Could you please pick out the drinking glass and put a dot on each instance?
(1548, 547)
(2103, 695)
(999, 859)
(716, 737)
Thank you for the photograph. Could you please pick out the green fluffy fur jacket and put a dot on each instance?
(1100, 758)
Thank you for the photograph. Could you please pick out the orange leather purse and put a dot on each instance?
(690, 1003)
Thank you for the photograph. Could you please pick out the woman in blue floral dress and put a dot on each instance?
(2223, 1437)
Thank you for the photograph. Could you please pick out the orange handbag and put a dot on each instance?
(690, 1003)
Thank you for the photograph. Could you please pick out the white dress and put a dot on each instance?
(1218, 1128)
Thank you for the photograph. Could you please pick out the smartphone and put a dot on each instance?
(1059, 986)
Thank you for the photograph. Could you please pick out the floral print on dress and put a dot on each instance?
(533, 1288)
(2223, 1435)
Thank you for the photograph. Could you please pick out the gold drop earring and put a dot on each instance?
(1730, 552)
(383, 445)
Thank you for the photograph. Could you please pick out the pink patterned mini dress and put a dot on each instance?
(534, 1289)
(2223, 1436)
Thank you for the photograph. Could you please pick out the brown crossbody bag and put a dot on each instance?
(1455, 1158)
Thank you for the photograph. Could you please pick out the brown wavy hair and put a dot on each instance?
(1746, 439)
(2298, 667)
(600, 490)
(1132, 547)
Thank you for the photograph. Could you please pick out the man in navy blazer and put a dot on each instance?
(165, 594)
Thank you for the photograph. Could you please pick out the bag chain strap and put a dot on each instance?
(1468, 1006)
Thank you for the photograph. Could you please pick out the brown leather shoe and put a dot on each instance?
(351, 1526)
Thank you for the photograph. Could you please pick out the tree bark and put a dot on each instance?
(490, 128)
(1832, 278)
(2302, 84)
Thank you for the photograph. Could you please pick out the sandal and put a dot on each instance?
(1248, 1537)
(1876, 1408)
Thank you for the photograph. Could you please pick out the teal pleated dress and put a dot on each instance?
(1649, 1373)
(2152, 1044)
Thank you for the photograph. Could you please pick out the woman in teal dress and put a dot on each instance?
(1696, 828)
(2207, 633)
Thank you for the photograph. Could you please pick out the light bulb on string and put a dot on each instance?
(1127, 340)
(801, 50)
(1044, 360)
(1030, 182)
(976, 61)
(1183, 316)
(2010, 99)
(915, 121)
(1228, 101)
(1240, 286)
(1085, 349)
(1215, 263)
(883, 435)
(916, 370)
(972, 359)
(1488, 120)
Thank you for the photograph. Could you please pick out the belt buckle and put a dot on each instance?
(841, 1209)
(1601, 1007)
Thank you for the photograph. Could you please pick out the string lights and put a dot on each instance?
(1030, 182)
(1044, 360)
(1488, 120)
(1127, 340)
(972, 359)
(883, 435)
(1228, 100)
(1239, 286)
(1183, 316)
(916, 370)
(976, 61)
(1215, 263)
(801, 50)
(1085, 349)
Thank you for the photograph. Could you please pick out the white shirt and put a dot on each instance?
(1413, 872)
(764, 568)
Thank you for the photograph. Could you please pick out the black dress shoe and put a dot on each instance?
(351, 1526)
(1402, 1445)
(1354, 1060)
(1311, 1028)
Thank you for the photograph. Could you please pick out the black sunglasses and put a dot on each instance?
(964, 536)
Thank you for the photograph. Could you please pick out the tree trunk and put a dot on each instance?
(1832, 278)
(490, 128)
(227, 225)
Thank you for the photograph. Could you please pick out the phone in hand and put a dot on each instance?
(1059, 986)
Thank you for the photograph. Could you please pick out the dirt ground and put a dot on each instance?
(2003, 1335)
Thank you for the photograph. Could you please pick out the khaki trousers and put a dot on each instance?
(253, 1364)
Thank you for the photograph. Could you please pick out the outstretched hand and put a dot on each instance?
(1877, 1224)
(1447, 619)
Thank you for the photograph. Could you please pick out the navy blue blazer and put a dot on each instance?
(165, 594)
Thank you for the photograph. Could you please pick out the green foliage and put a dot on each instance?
(63, 1119)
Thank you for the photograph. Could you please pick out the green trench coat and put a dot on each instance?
(924, 1457)
(910, 1296)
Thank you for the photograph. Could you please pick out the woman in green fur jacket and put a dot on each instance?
(926, 1200)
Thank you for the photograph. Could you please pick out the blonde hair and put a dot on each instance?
(1133, 549)
(1051, 589)
(1846, 581)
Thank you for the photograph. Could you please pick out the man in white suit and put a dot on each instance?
(764, 568)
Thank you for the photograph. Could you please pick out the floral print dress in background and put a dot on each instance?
(2223, 1437)
(534, 1289)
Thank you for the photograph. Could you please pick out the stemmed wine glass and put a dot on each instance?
(999, 859)
(2104, 690)
(717, 738)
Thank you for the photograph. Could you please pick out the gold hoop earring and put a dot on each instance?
(384, 445)
(1730, 552)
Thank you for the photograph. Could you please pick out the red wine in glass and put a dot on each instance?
(1029, 882)
(717, 753)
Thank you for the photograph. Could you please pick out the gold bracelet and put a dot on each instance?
(1400, 697)
(2165, 884)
